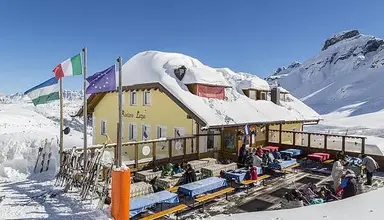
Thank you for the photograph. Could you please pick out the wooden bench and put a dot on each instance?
(203, 199)
(173, 189)
(290, 168)
(260, 178)
(166, 212)
(329, 161)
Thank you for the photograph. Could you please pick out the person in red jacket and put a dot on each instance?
(253, 173)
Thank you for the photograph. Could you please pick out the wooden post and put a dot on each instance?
(294, 138)
(222, 141)
(325, 143)
(343, 144)
(184, 148)
(363, 145)
(154, 154)
(309, 140)
(120, 110)
(280, 133)
(267, 132)
(85, 114)
(61, 122)
(170, 150)
(198, 141)
(136, 156)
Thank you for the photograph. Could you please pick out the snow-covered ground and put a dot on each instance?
(363, 206)
(23, 129)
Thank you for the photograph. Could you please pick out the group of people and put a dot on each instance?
(255, 157)
(345, 181)
(189, 175)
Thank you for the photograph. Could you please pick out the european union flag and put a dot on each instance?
(103, 81)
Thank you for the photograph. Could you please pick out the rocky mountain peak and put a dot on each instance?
(339, 37)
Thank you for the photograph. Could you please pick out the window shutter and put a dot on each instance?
(158, 134)
(134, 128)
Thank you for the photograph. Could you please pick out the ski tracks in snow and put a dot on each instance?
(32, 199)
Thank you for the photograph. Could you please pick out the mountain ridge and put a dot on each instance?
(348, 70)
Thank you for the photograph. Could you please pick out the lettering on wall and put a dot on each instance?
(137, 114)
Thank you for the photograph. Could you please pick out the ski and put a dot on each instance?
(43, 156)
(38, 158)
(49, 154)
(105, 190)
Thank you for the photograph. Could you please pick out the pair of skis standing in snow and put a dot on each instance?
(44, 156)
(73, 174)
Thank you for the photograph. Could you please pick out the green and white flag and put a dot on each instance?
(45, 92)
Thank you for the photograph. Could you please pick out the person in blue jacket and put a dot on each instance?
(348, 186)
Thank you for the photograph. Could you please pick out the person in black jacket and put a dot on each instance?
(190, 174)
(242, 153)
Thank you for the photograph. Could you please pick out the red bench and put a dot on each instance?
(319, 156)
(271, 148)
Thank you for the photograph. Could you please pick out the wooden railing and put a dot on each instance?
(139, 154)
(347, 143)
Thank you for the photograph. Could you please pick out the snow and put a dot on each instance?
(158, 67)
(244, 81)
(369, 207)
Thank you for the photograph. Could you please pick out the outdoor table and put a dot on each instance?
(140, 204)
(239, 175)
(202, 186)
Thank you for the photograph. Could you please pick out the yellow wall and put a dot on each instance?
(162, 111)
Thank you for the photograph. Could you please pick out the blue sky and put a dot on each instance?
(250, 36)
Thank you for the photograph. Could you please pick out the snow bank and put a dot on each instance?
(363, 206)
(22, 131)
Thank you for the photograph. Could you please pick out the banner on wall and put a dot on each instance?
(211, 91)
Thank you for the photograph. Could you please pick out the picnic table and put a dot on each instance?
(140, 204)
(239, 174)
(202, 186)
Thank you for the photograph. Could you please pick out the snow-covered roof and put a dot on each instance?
(204, 75)
(158, 67)
(244, 81)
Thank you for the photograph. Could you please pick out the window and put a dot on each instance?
(132, 132)
(161, 132)
(211, 140)
(103, 127)
(133, 98)
(147, 98)
(146, 132)
(263, 95)
(252, 94)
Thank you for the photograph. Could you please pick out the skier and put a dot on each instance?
(348, 186)
(370, 167)
(337, 171)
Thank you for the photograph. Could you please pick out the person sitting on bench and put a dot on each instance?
(259, 152)
(168, 170)
(190, 174)
(177, 169)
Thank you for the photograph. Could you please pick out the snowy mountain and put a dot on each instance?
(348, 71)
(20, 97)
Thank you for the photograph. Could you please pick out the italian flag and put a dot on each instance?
(69, 67)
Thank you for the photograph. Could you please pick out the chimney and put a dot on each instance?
(275, 95)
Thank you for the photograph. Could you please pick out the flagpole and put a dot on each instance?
(85, 107)
(119, 162)
(61, 121)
